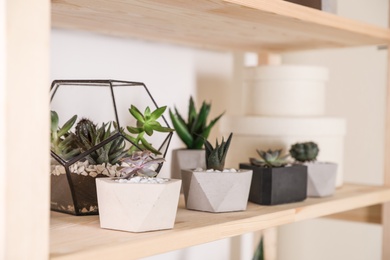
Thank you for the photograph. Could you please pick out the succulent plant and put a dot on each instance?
(139, 164)
(270, 158)
(146, 123)
(62, 141)
(89, 135)
(195, 130)
(215, 157)
(304, 152)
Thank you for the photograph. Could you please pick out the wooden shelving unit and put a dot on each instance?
(244, 25)
(82, 238)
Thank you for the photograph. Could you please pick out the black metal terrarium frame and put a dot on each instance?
(67, 163)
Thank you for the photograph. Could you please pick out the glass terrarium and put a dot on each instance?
(94, 125)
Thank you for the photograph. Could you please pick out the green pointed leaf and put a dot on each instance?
(200, 121)
(181, 129)
(148, 129)
(148, 146)
(67, 126)
(54, 121)
(136, 114)
(134, 130)
(147, 113)
(191, 112)
(157, 113)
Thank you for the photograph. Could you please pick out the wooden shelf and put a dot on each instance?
(81, 237)
(248, 25)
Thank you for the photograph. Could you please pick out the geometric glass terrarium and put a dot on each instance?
(92, 130)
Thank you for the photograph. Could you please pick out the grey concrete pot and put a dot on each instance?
(321, 181)
(216, 191)
(186, 159)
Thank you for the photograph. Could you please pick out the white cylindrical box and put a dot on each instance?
(251, 133)
(286, 90)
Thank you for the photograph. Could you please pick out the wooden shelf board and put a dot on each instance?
(81, 237)
(247, 25)
(371, 214)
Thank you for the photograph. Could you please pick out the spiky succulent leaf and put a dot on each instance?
(139, 164)
(215, 156)
(181, 128)
(304, 152)
(195, 130)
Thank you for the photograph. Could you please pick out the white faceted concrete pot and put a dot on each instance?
(287, 90)
(137, 207)
(216, 191)
(321, 181)
(187, 159)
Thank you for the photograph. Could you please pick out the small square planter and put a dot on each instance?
(137, 207)
(186, 159)
(278, 185)
(216, 191)
(321, 180)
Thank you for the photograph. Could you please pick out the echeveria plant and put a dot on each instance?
(139, 164)
(270, 158)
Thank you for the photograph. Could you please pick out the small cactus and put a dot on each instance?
(215, 157)
(304, 152)
(270, 158)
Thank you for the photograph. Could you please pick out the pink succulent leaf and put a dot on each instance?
(152, 162)
(147, 172)
(129, 169)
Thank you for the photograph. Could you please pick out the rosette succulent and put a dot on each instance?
(270, 158)
(139, 164)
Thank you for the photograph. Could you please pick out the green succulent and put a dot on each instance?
(215, 157)
(196, 129)
(146, 124)
(89, 135)
(63, 142)
(304, 152)
(270, 158)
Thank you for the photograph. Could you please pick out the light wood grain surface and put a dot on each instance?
(248, 25)
(81, 238)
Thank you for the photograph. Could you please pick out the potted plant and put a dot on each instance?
(111, 128)
(138, 201)
(321, 181)
(275, 181)
(192, 132)
(216, 189)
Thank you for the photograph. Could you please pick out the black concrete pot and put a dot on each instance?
(279, 185)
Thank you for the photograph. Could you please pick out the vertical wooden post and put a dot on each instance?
(386, 206)
(24, 131)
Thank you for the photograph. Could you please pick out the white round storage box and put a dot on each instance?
(251, 133)
(287, 90)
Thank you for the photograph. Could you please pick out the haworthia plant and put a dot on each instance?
(196, 129)
(215, 156)
(62, 141)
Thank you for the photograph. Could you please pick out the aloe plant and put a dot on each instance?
(139, 164)
(89, 135)
(146, 124)
(215, 156)
(270, 158)
(196, 129)
(62, 141)
(304, 152)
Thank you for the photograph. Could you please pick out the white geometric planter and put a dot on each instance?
(187, 159)
(216, 191)
(137, 207)
(321, 181)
